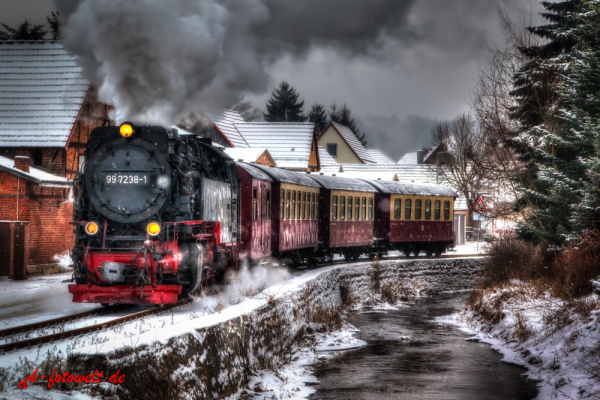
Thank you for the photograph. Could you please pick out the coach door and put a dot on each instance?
(265, 217)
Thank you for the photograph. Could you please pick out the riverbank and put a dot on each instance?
(214, 350)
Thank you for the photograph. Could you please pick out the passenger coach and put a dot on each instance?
(414, 218)
(347, 216)
(294, 214)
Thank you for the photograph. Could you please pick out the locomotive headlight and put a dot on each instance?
(91, 228)
(153, 228)
(126, 129)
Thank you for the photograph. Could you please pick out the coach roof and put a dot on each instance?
(388, 187)
(286, 176)
(337, 183)
(254, 172)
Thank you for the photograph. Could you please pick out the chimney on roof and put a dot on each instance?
(22, 163)
(341, 169)
(420, 156)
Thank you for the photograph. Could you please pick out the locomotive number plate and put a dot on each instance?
(127, 179)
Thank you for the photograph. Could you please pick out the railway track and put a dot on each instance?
(79, 331)
(101, 311)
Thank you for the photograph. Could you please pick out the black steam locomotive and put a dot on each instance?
(155, 214)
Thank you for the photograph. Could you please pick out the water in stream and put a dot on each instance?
(410, 356)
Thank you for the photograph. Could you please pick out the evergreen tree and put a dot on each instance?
(344, 116)
(549, 150)
(54, 24)
(283, 106)
(582, 115)
(25, 31)
(318, 116)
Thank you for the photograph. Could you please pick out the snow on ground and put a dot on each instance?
(559, 348)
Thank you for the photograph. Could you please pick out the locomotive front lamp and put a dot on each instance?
(91, 228)
(126, 129)
(153, 228)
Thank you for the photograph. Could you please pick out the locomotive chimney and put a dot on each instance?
(22, 163)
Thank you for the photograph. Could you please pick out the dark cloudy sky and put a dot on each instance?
(397, 83)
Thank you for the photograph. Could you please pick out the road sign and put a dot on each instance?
(480, 205)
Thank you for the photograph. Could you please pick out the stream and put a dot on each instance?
(411, 356)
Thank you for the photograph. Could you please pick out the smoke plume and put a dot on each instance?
(158, 61)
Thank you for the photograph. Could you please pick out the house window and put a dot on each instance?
(342, 208)
(332, 149)
(37, 157)
(282, 204)
(349, 208)
(334, 208)
(80, 163)
(397, 208)
(370, 208)
(436, 213)
(446, 210)
(254, 204)
(428, 210)
(407, 208)
(287, 205)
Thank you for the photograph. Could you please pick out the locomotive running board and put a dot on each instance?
(125, 294)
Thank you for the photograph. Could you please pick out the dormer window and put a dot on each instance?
(332, 149)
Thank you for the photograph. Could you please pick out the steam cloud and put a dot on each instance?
(157, 61)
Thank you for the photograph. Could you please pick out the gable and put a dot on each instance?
(345, 154)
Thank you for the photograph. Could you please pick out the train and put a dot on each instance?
(158, 214)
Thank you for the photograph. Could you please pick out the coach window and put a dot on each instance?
(342, 208)
(334, 208)
(364, 208)
(407, 209)
(304, 205)
(293, 204)
(397, 208)
(316, 208)
(357, 208)
(370, 208)
(268, 210)
(308, 205)
(287, 205)
(446, 210)
(299, 203)
(282, 204)
(427, 210)
(313, 206)
(436, 212)
(349, 208)
(254, 204)
(418, 209)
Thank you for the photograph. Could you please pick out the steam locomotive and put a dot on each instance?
(158, 214)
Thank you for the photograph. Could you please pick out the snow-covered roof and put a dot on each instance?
(340, 183)
(286, 176)
(408, 188)
(38, 176)
(408, 158)
(41, 93)
(181, 131)
(288, 142)
(225, 120)
(350, 138)
(368, 175)
(254, 172)
(325, 157)
(378, 156)
(244, 154)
